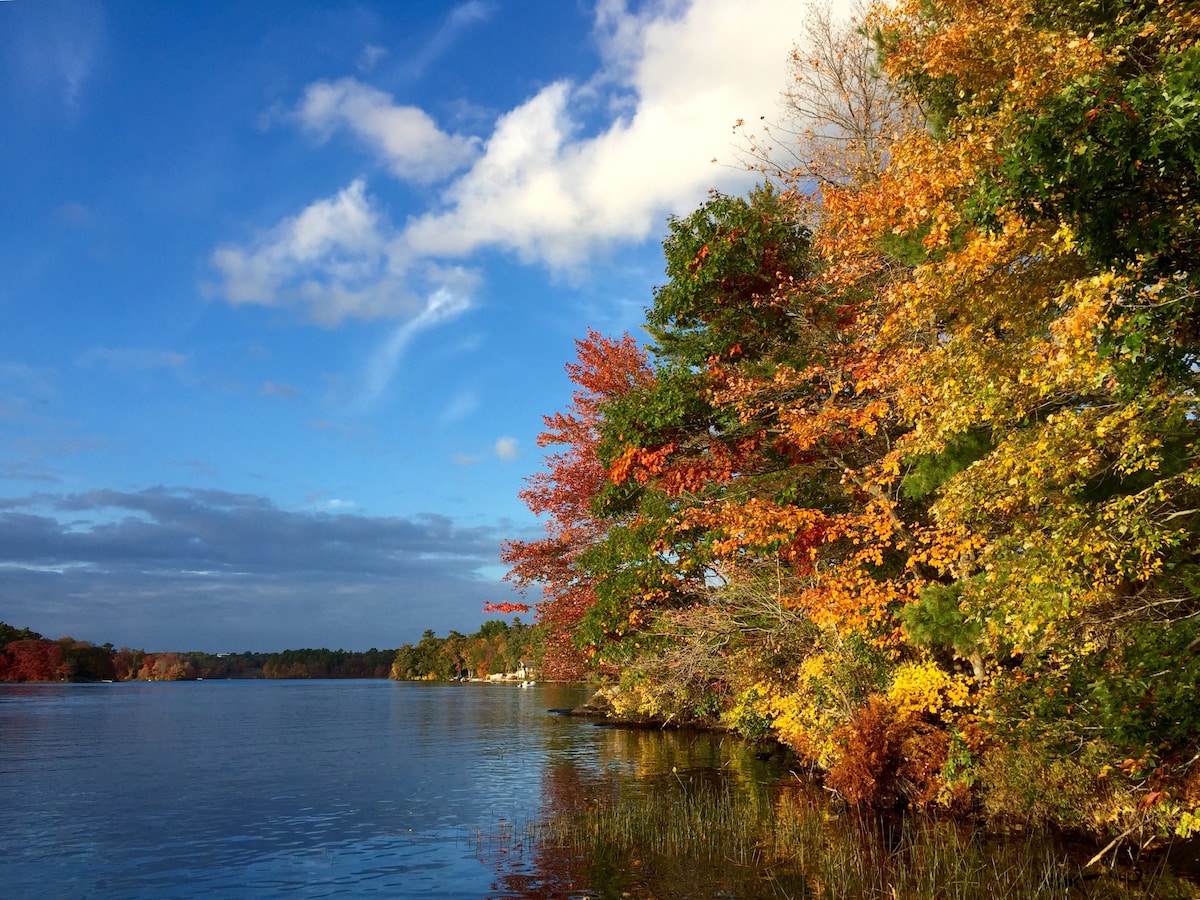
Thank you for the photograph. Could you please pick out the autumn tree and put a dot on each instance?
(839, 113)
(914, 477)
(1049, 216)
(34, 660)
(564, 493)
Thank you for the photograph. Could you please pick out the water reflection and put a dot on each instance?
(312, 789)
(703, 817)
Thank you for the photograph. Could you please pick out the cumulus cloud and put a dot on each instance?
(135, 563)
(332, 259)
(507, 449)
(405, 138)
(548, 184)
(677, 80)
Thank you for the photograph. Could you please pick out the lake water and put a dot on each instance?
(376, 788)
(306, 788)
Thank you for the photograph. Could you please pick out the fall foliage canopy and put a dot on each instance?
(910, 473)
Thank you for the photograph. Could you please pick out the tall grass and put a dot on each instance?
(790, 842)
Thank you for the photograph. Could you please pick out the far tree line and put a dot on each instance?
(26, 656)
(496, 648)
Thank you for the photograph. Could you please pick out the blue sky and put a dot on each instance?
(287, 289)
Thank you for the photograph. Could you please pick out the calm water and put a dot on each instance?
(268, 788)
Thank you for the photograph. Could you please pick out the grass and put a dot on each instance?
(705, 838)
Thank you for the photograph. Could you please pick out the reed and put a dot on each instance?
(790, 842)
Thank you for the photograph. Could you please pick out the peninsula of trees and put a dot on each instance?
(908, 478)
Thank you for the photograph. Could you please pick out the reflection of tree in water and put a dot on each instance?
(676, 815)
(634, 819)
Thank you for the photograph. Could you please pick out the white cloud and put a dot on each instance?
(445, 304)
(278, 389)
(459, 20)
(404, 137)
(58, 46)
(547, 184)
(371, 55)
(507, 449)
(463, 404)
(334, 259)
(554, 195)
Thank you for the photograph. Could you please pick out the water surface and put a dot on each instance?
(376, 788)
(302, 788)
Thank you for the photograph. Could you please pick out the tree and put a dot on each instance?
(1048, 219)
(564, 494)
(34, 660)
(87, 662)
(9, 633)
(841, 114)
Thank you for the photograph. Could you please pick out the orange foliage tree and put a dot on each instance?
(915, 471)
(564, 494)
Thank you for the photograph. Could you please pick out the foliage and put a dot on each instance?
(322, 663)
(498, 647)
(936, 400)
(565, 494)
(26, 656)
(32, 660)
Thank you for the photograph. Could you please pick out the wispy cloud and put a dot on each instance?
(276, 389)
(444, 304)
(370, 57)
(507, 448)
(128, 359)
(56, 46)
(461, 17)
(198, 467)
(74, 215)
(28, 471)
(462, 405)
(23, 387)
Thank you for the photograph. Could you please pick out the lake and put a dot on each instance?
(300, 788)
(377, 788)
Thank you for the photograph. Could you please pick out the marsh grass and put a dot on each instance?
(789, 841)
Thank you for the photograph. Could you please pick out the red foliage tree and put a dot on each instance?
(34, 660)
(563, 492)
